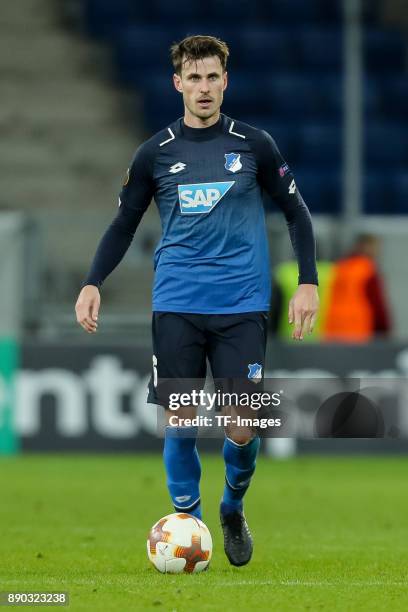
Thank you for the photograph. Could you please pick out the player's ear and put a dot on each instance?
(177, 82)
(225, 79)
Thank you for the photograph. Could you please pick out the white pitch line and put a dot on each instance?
(380, 583)
(130, 586)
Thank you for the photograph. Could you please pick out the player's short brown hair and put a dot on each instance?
(197, 47)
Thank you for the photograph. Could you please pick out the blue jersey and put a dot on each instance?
(207, 184)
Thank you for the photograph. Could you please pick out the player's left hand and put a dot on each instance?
(303, 309)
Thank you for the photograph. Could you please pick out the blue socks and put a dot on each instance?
(183, 469)
(240, 462)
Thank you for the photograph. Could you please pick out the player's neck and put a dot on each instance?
(196, 122)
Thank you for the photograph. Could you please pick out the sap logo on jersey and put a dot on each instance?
(201, 197)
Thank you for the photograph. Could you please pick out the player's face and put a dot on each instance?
(202, 84)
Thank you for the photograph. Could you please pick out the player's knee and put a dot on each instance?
(240, 435)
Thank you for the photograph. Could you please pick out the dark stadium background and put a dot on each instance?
(85, 81)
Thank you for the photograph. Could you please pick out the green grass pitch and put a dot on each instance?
(330, 534)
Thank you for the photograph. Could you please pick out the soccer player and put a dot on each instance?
(206, 173)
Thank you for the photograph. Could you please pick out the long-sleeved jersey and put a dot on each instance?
(207, 184)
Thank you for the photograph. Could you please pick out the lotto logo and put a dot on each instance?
(201, 197)
(177, 167)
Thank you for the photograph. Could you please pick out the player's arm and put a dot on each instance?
(134, 199)
(277, 179)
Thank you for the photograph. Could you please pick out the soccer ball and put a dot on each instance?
(179, 543)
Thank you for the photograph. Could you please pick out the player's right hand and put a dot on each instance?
(87, 308)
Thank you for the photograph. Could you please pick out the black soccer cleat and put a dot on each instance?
(238, 544)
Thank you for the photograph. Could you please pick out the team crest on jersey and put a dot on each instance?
(201, 197)
(233, 162)
(255, 372)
